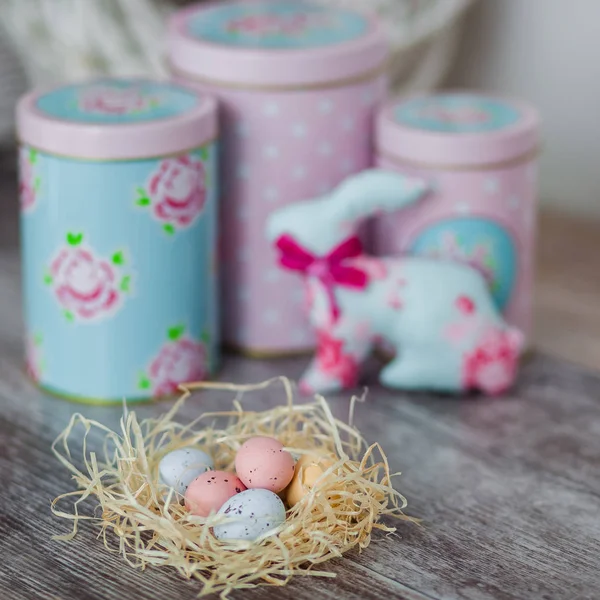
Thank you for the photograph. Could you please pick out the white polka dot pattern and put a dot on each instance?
(279, 149)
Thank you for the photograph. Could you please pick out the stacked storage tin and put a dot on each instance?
(118, 213)
(126, 215)
(478, 154)
(299, 86)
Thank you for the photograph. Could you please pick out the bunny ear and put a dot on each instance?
(323, 223)
(374, 192)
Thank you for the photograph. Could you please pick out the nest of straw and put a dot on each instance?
(151, 527)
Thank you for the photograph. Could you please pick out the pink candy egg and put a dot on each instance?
(210, 491)
(263, 463)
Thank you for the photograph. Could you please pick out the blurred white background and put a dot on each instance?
(66, 40)
(547, 51)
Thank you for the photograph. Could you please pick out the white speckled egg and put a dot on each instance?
(179, 468)
(250, 515)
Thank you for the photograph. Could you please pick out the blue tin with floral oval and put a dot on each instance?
(119, 237)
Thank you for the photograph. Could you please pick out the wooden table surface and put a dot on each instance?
(508, 489)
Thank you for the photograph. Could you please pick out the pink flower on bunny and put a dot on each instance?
(176, 192)
(492, 365)
(375, 268)
(334, 362)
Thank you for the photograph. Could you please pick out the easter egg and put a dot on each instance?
(250, 515)
(262, 463)
(179, 468)
(210, 491)
(308, 471)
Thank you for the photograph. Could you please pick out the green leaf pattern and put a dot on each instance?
(144, 382)
(176, 333)
(125, 284)
(74, 239)
(142, 197)
(30, 183)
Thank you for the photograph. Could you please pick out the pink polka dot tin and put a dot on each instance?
(478, 153)
(298, 84)
(118, 231)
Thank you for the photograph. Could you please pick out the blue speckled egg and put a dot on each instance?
(179, 468)
(250, 515)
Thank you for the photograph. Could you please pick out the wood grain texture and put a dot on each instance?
(508, 489)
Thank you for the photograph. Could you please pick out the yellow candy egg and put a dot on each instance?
(308, 470)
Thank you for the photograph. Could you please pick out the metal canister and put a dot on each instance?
(118, 215)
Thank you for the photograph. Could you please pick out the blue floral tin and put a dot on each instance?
(119, 237)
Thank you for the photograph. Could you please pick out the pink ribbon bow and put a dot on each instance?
(329, 269)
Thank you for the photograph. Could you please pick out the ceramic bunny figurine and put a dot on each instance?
(438, 316)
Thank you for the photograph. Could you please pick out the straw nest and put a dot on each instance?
(151, 527)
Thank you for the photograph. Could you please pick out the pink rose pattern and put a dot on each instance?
(176, 192)
(181, 360)
(29, 184)
(464, 115)
(278, 25)
(492, 366)
(109, 100)
(480, 258)
(333, 361)
(86, 286)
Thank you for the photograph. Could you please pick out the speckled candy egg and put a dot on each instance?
(210, 491)
(250, 515)
(179, 468)
(308, 471)
(263, 463)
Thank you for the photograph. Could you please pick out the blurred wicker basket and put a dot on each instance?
(72, 39)
(424, 35)
(12, 84)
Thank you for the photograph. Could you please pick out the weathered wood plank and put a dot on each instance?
(494, 526)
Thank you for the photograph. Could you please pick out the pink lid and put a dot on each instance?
(274, 43)
(457, 129)
(116, 119)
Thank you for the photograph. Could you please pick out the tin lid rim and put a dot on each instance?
(451, 148)
(273, 67)
(127, 141)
